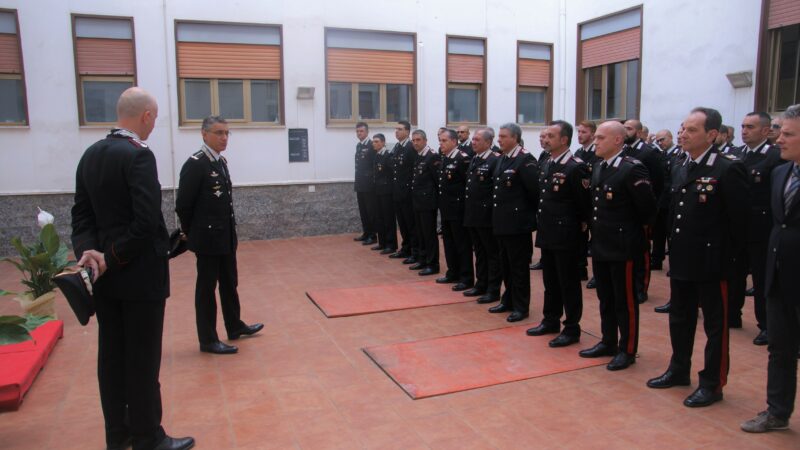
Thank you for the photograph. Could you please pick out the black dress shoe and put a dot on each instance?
(220, 348)
(563, 340)
(641, 297)
(488, 298)
(750, 292)
(668, 379)
(446, 280)
(461, 287)
(501, 308)
(368, 241)
(246, 330)
(621, 361)
(762, 338)
(360, 238)
(388, 251)
(377, 248)
(663, 308)
(599, 349)
(591, 284)
(543, 329)
(428, 271)
(702, 397)
(171, 443)
(398, 255)
(410, 260)
(537, 266)
(516, 316)
(474, 292)
(417, 266)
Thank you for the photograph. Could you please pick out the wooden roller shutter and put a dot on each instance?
(233, 61)
(783, 13)
(370, 66)
(611, 48)
(464, 68)
(534, 72)
(97, 56)
(9, 54)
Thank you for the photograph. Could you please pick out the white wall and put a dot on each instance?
(688, 47)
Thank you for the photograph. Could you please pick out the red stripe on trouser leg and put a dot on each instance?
(646, 283)
(724, 351)
(630, 299)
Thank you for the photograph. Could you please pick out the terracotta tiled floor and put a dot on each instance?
(305, 383)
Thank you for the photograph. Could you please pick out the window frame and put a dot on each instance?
(382, 105)
(548, 107)
(482, 121)
(112, 78)
(247, 101)
(481, 102)
(604, 96)
(20, 76)
(775, 43)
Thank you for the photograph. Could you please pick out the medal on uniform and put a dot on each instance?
(699, 187)
(702, 198)
(609, 195)
(508, 183)
(214, 174)
(218, 193)
(481, 177)
(449, 176)
(555, 187)
(710, 187)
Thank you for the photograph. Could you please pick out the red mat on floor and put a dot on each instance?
(20, 363)
(468, 361)
(342, 302)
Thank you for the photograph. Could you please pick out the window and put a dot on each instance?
(609, 68)
(230, 70)
(370, 76)
(534, 72)
(13, 107)
(784, 68)
(466, 72)
(105, 65)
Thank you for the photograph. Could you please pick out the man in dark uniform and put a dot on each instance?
(562, 217)
(586, 130)
(118, 231)
(478, 218)
(364, 185)
(781, 286)
(403, 158)
(723, 144)
(424, 193)
(385, 221)
(623, 203)
(543, 157)
(464, 142)
(205, 208)
(516, 195)
(669, 150)
(709, 219)
(457, 242)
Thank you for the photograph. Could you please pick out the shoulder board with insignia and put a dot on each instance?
(764, 149)
(731, 157)
(632, 160)
(578, 159)
(198, 154)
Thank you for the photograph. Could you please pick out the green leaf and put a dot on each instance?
(40, 260)
(23, 250)
(13, 320)
(13, 334)
(4, 292)
(49, 238)
(33, 322)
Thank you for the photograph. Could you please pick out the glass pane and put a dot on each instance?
(531, 106)
(340, 101)
(632, 93)
(398, 102)
(198, 99)
(100, 99)
(231, 99)
(369, 101)
(614, 91)
(265, 100)
(787, 68)
(12, 108)
(463, 104)
(594, 107)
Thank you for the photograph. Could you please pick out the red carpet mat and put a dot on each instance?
(468, 361)
(342, 302)
(20, 363)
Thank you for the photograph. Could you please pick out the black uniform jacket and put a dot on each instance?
(516, 193)
(759, 165)
(205, 205)
(672, 157)
(466, 147)
(588, 155)
(117, 211)
(452, 184)
(653, 159)
(403, 158)
(424, 187)
(783, 253)
(365, 157)
(383, 172)
(564, 203)
(709, 209)
(479, 190)
(729, 149)
(622, 203)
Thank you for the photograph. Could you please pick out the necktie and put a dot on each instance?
(791, 188)
(691, 166)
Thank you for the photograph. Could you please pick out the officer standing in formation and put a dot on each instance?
(424, 193)
(403, 158)
(586, 153)
(204, 205)
(464, 142)
(384, 214)
(364, 184)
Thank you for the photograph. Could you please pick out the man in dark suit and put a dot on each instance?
(516, 195)
(424, 194)
(403, 158)
(781, 283)
(452, 187)
(205, 208)
(478, 218)
(709, 218)
(586, 130)
(384, 214)
(623, 202)
(118, 231)
(669, 150)
(464, 142)
(562, 217)
(364, 185)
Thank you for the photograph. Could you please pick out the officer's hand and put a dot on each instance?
(95, 261)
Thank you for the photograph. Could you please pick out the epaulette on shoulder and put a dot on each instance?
(463, 154)
(578, 159)
(632, 160)
(199, 154)
(731, 157)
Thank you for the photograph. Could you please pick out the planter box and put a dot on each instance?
(20, 363)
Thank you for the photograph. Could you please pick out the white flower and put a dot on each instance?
(44, 218)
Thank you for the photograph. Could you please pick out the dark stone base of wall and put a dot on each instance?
(262, 212)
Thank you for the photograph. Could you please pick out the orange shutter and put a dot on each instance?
(370, 66)
(9, 54)
(235, 61)
(105, 56)
(611, 48)
(534, 72)
(783, 13)
(465, 68)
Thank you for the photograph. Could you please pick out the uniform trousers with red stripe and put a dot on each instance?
(712, 298)
(619, 311)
